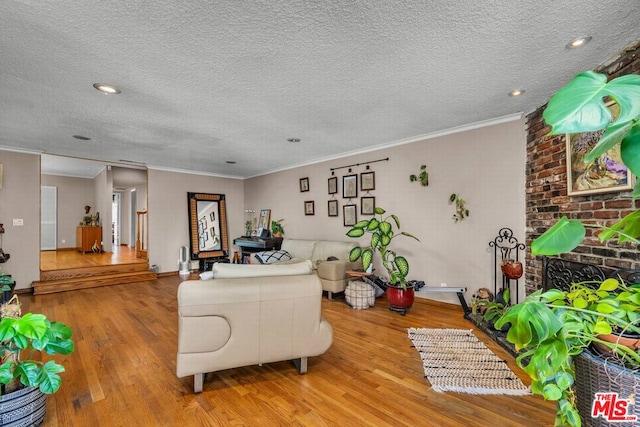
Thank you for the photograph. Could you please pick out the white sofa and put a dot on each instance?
(235, 320)
(332, 274)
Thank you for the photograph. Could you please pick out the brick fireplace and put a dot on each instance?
(546, 191)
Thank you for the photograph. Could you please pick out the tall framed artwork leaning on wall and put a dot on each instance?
(607, 173)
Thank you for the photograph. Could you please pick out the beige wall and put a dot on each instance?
(484, 166)
(20, 199)
(73, 195)
(168, 213)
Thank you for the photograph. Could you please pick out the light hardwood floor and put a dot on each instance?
(69, 258)
(123, 370)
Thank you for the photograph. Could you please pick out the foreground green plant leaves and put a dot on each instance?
(582, 106)
(564, 236)
(28, 334)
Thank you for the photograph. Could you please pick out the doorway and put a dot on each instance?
(48, 218)
(116, 210)
(100, 185)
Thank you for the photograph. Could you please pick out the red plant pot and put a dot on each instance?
(400, 299)
(511, 269)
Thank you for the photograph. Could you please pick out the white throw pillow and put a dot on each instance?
(269, 257)
(235, 271)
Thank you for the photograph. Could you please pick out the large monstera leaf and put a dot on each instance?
(580, 105)
(583, 106)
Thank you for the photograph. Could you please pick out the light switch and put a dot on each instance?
(18, 222)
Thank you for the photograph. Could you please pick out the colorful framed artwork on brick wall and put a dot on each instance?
(605, 174)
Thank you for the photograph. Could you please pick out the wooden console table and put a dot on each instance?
(86, 237)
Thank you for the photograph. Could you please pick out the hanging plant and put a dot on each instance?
(461, 211)
(423, 176)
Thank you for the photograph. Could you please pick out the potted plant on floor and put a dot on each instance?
(26, 379)
(399, 295)
(555, 327)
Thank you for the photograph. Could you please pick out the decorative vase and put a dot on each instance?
(511, 269)
(400, 300)
(23, 407)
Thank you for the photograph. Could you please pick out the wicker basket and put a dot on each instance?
(23, 408)
(595, 374)
(360, 295)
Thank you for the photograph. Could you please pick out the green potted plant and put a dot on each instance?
(382, 232)
(276, 228)
(554, 327)
(551, 328)
(23, 376)
(493, 310)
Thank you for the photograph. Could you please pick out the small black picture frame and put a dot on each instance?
(332, 184)
(332, 207)
(349, 186)
(304, 184)
(367, 181)
(350, 215)
(309, 208)
(367, 205)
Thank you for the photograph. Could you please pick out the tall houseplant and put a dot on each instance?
(382, 233)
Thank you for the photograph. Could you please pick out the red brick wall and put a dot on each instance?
(546, 192)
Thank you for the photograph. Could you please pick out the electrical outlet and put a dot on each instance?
(18, 222)
(443, 285)
(64, 241)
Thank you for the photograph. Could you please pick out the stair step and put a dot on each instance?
(86, 280)
(92, 271)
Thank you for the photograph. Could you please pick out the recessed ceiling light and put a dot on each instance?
(517, 92)
(231, 162)
(107, 89)
(293, 139)
(578, 42)
(82, 138)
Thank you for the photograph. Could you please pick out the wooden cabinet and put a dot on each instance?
(86, 237)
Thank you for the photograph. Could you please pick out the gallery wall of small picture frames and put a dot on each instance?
(352, 184)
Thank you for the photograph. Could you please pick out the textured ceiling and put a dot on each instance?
(206, 82)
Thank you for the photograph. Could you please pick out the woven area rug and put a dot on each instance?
(456, 360)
